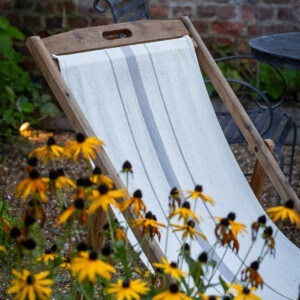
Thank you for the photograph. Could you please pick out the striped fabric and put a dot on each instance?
(148, 103)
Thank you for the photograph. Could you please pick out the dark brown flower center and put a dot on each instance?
(107, 250)
(246, 291)
(203, 257)
(212, 298)
(289, 204)
(29, 220)
(224, 222)
(186, 247)
(103, 189)
(268, 231)
(93, 255)
(53, 174)
(79, 203)
(61, 172)
(29, 244)
(186, 205)
(174, 192)
(262, 220)
(84, 182)
(32, 161)
(191, 223)
(97, 171)
(34, 174)
(138, 194)
(231, 216)
(51, 141)
(82, 246)
(80, 138)
(30, 279)
(149, 215)
(173, 265)
(15, 232)
(254, 265)
(174, 288)
(127, 167)
(198, 188)
(126, 283)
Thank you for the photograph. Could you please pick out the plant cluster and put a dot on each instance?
(93, 269)
(20, 99)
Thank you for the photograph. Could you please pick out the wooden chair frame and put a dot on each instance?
(95, 38)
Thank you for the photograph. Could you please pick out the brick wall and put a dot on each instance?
(224, 22)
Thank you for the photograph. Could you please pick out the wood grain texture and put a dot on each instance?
(259, 175)
(92, 38)
(242, 119)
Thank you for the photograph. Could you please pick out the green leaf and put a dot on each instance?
(49, 109)
(27, 107)
(15, 33)
(5, 43)
(223, 284)
(3, 23)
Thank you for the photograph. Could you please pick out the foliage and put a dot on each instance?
(93, 269)
(261, 75)
(20, 99)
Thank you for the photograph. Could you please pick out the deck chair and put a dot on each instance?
(145, 97)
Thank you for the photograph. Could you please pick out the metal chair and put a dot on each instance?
(269, 119)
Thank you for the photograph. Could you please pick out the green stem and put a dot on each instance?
(111, 228)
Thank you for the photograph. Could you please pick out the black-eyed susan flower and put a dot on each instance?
(174, 198)
(35, 209)
(236, 227)
(251, 274)
(136, 202)
(103, 197)
(128, 289)
(98, 178)
(48, 152)
(185, 213)
(86, 147)
(149, 225)
(188, 230)
(225, 236)
(284, 212)
(49, 254)
(88, 266)
(57, 180)
(173, 293)
(243, 293)
(78, 206)
(197, 193)
(30, 286)
(32, 163)
(170, 268)
(84, 188)
(260, 223)
(269, 239)
(66, 263)
(29, 244)
(32, 185)
(127, 167)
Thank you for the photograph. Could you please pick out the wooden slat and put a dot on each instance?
(80, 124)
(85, 39)
(242, 119)
(259, 175)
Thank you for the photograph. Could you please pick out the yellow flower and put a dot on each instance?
(188, 230)
(88, 266)
(58, 180)
(120, 235)
(67, 214)
(32, 185)
(172, 293)
(243, 293)
(149, 225)
(283, 212)
(136, 201)
(251, 274)
(185, 213)
(66, 264)
(170, 268)
(48, 255)
(48, 152)
(197, 193)
(87, 147)
(98, 178)
(127, 290)
(30, 286)
(103, 197)
(3, 249)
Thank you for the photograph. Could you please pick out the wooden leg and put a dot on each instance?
(259, 175)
